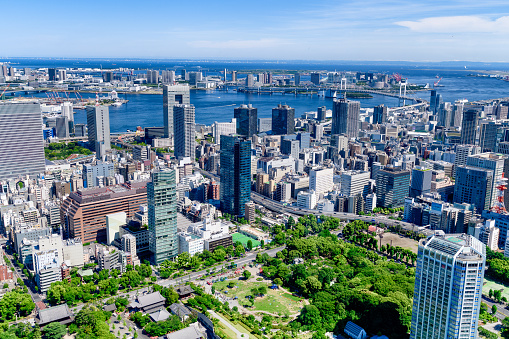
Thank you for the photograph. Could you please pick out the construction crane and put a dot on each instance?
(436, 83)
(397, 77)
(5, 90)
(499, 206)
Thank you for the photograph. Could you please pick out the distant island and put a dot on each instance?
(355, 95)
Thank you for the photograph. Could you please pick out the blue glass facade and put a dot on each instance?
(235, 174)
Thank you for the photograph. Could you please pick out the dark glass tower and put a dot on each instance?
(283, 120)
(247, 119)
(380, 114)
(235, 174)
(345, 117)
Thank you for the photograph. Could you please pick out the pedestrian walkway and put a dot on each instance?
(227, 324)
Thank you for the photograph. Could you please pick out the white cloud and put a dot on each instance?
(239, 44)
(458, 24)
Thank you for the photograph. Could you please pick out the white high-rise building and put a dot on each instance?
(355, 182)
(67, 110)
(184, 131)
(168, 77)
(190, 243)
(321, 180)
(129, 243)
(98, 121)
(448, 287)
(223, 128)
(173, 95)
(370, 204)
(306, 200)
(47, 268)
(489, 235)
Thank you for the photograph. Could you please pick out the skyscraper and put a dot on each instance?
(474, 185)
(321, 113)
(345, 117)
(380, 114)
(162, 215)
(315, 78)
(448, 285)
(173, 95)
(21, 142)
(250, 80)
(434, 102)
(290, 147)
(98, 121)
(297, 79)
(493, 162)
(462, 153)
(283, 120)
(457, 114)
(184, 131)
(392, 186)
(247, 117)
(235, 172)
(469, 127)
(321, 180)
(52, 74)
(421, 181)
(152, 77)
(168, 77)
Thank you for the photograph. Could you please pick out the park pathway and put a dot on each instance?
(227, 324)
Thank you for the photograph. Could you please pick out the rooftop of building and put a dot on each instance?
(461, 246)
(489, 155)
(52, 314)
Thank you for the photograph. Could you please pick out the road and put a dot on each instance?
(18, 273)
(240, 262)
(502, 312)
(277, 206)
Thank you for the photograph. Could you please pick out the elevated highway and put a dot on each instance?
(279, 207)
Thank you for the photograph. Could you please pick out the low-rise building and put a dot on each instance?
(254, 233)
(190, 243)
(148, 303)
(355, 331)
(60, 313)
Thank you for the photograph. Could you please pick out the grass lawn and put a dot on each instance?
(275, 301)
(291, 297)
(239, 326)
(244, 239)
(227, 331)
(492, 285)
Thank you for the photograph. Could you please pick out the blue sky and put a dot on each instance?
(274, 30)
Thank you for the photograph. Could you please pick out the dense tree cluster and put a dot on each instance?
(56, 150)
(305, 226)
(90, 323)
(185, 262)
(20, 330)
(99, 285)
(498, 266)
(344, 282)
(160, 328)
(15, 303)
